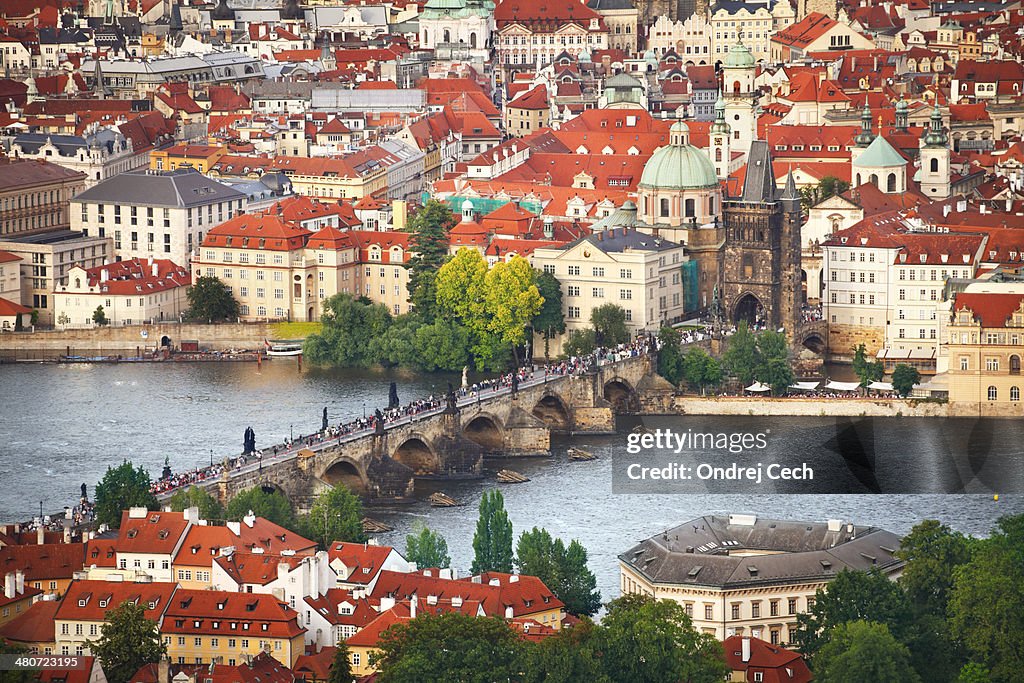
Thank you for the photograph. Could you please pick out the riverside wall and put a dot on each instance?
(815, 407)
(127, 339)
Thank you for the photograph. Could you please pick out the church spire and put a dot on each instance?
(99, 88)
(866, 134)
(936, 134)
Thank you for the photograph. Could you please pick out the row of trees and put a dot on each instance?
(607, 328)
(954, 615)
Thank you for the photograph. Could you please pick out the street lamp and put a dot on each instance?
(291, 433)
(211, 457)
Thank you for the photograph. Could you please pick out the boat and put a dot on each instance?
(511, 477)
(580, 454)
(284, 347)
(442, 500)
(372, 526)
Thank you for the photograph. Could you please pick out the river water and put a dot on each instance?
(62, 425)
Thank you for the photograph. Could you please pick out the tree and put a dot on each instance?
(550, 320)
(652, 641)
(861, 651)
(99, 316)
(670, 355)
(974, 673)
(442, 345)
(350, 332)
(853, 596)
(460, 285)
(563, 570)
(492, 542)
(866, 371)
(741, 354)
(570, 656)
(398, 345)
(272, 506)
(904, 377)
(609, 321)
(580, 342)
(511, 300)
(341, 666)
(15, 676)
(128, 641)
(828, 186)
(429, 241)
(336, 515)
(986, 605)
(211, 300)
(209, 507)
(122, 487)
(427, 548)
(701, 370)
(449, 647)
(773, 366)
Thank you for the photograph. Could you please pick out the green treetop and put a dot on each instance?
(492, 542)
(209, 299)
(128, 641)
(122, 487)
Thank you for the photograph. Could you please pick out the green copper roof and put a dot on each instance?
(879, 154)
(739, 57)
(679, 165)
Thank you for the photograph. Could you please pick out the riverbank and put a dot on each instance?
(813, 407)
(131, 340)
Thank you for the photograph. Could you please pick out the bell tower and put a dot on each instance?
(935, 159)
(720, 134)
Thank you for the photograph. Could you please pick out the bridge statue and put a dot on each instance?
(451, 403)
(378, 422)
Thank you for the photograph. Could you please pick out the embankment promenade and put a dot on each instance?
(816, 407)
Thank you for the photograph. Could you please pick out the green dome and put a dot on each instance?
(739, 57)
(679, 165)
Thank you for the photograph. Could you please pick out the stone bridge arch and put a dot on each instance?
(487, 430)
(619, 392)
(553, 410)
(417, 453)
(348, 473)
(812, 336)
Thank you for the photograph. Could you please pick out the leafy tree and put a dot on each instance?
(341, 666)
(571, 656)
(511, 300)
(460, 285)
(829, 186)
(449, 647)
(427, 548)
(492, 542)
(974, 673)
(563, 570)
(580, 342)
(398, 345)
(209, 507)
(701, 370)
(273, 506)
(932, 552)
(866, 371)
(863, 651)
(442, 345)
(210, 299)
(741, 354)
(122, 487)
(653, 641)
(853, 596)
(99, 316)
(986, 606)
(773, 366)
(904, 377)
(349, 333)
(128, 641)
(12, 676)
(550, 320)
(670, 355)
(609, 321)
(336, 515)
(430, 228)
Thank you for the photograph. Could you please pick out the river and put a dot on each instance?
(62, 425)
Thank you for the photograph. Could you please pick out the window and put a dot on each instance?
(773, 608)
(1014, 393)
(574, 312)
(574, 290)
(709, 612)
(598, 292)
(626, 274)
(625, 294)
(991, 364)
(792, 605)
(735, 612)
(598, 272)
(993, 393)
(355, 659)
(574, 270)
(963, 363)
(549, 269)
(755, 610)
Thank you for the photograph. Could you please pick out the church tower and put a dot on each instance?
(720, 134)
(935, 159)
(761, 260)
(865, 137)
(738, 74)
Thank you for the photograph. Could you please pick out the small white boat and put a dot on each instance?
(284, 347)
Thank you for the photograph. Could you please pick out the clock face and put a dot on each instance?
(586, 254)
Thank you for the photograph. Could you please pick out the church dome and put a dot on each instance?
(679, 165)
(739, 57)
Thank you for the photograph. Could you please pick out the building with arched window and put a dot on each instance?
(985, 345)
(461, 24)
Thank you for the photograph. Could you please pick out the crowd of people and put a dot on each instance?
(470, 392)
(811, 314)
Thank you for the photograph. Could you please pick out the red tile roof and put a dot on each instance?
(535, 99)
(9, 308)
(991, 310)
(135, 276)
(775, 664)
(82, 674)
(158, 533)
(101, 552)
(257, 569)
(329, 604)
(230, 614)
(45, 562)
(257, 231)
(804, 32)
(35, 625)
(82, 602)
(362, 559)
(368, 636)
(203, 543)
(331, 238)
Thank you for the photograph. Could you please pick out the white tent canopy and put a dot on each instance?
(804, 386)
(842, 386)
(757, 386)
(881, 386)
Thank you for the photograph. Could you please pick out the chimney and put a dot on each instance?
(509, 612)
(9, 586)
(235, 528)
(163, 669)
(945, 210)
(104, 275)
(386, 603)
(249, 519)
(412, 606)
(41, 535)
(746, 649)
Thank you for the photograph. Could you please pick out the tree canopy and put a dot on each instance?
(429, 243)
(701, 369)
(336, 515)
(562, 569)
(271, 505)
(128, 640)
(580, 342)
(741, 354)
(866, 371)
(609, 321)
(904, 377)
(210, 299)
(670, 355)
(860, 651)
(193, 496)
(99, 316)
(122, 487)
(350, 329)
(427, 548)
(549, 321)
(492, 542)
(571, 656)
(341, 665)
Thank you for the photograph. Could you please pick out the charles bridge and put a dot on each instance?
(451, 441)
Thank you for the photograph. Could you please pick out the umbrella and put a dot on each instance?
(757, 386)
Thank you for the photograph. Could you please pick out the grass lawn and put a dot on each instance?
(295, 330)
